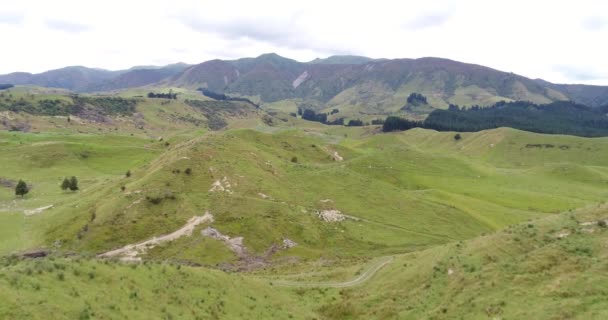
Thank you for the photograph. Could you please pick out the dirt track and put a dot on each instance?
(365, 276)
(130, 252)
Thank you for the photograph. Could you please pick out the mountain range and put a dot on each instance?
(346, 82)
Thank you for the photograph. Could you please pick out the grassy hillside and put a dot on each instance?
(311, 221)
(85, 289)
(549, 268)
(552, 268)
(421, 188)
(35, 109)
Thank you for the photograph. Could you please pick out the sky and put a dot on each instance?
(559, 41)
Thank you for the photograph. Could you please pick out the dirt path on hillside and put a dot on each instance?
(37, 210)
(130, 252)
(363, 277)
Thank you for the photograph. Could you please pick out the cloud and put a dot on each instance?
(594, 23)
(11, 18)
(578, 73)
(283, 32)
(67, 26)
(429, 20)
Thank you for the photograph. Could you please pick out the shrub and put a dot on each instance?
(21, 189)
(73, 183)
(294, 159)
(457, 137)
(65, 184)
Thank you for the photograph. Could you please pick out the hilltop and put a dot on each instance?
(357, 86)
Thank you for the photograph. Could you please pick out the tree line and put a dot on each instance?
(561, 117)
(223, 97)
(416, 99)
(64, 107)
(4, 86)
(169, 95)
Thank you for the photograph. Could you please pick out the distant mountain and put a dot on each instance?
(343, 60)
(137, 77)
(83, 79)
(376, 85)
(593, 96)
(355, 84)
(75, 78)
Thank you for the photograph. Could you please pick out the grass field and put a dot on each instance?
(433, 227)
(547, 268)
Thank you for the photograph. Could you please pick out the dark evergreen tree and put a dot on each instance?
(355, 123)
(21, 189)
(65, 184)
(416, 99)
(73, 183)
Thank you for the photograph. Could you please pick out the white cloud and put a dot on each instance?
(532, 38)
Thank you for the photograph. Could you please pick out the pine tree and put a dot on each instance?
(21, 189)
(65, 184)
(73, 183)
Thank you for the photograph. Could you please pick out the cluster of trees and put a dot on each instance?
(169, 95)
(399, 124)
(336, 122)
(71, 183)
(223, 97)
(21, 189)
(355, 123)
(107, 105)
(562, 117)
(4, 86)
(416, 99)
(65, 107)
(46, 107)
(310, 115)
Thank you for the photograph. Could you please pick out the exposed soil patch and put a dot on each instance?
(235, 244)
(334, 216)
(36, 254)
(221, 185)
(129, 253)
(246, 261)
(337, 157)
(37, 210)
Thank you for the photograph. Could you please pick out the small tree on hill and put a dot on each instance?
(73, 183)
(457, 137)
(128, 174)
(21, 189)
(65, 184)
(188, 171)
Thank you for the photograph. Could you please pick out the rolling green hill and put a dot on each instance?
(549, 268)
(204, 209)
